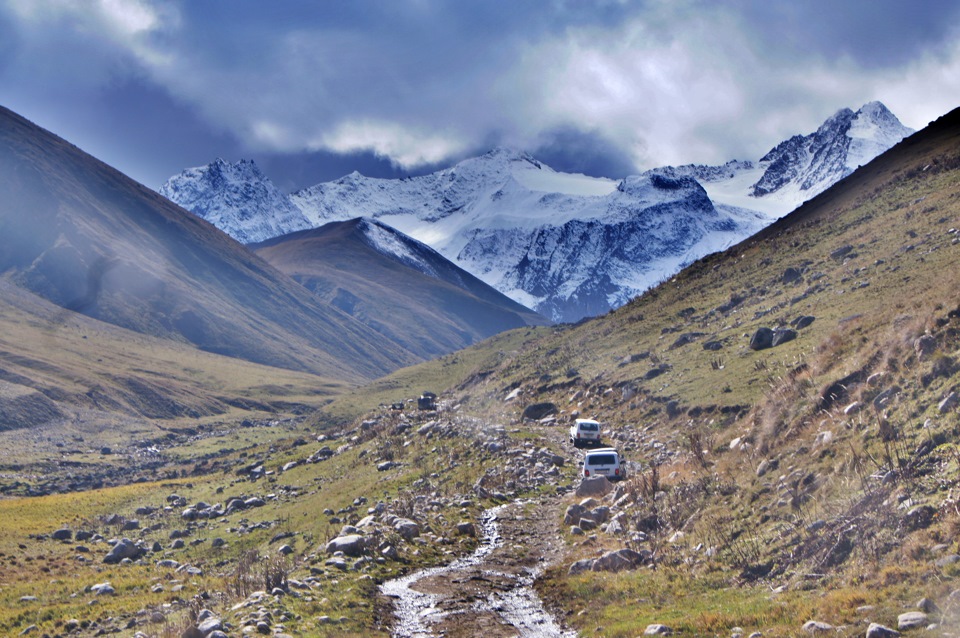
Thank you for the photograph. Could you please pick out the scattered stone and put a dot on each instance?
(912, 620)
(594, 486)
(63, 534)
(351, 545)
(762, 339)
(880, 631)
(537, 411)
(816, 627)
(125, 548)
(657, 630)
(781, 336)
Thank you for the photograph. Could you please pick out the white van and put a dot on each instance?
(585, 432)
(605, 461)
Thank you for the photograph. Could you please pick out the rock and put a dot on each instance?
(537, 411)
(781, 336)
(920, 517)
(466, 528)
(130, 525)
(879, 631)
(762, 339)
(594, 486)
(853, 408)
(949, 403)
(580, 566)
(192, 632)
(927, 606)
(351, 545)
(210, 625)
(924, 346)
(765, 466)
(619, 560)
(284, 550)
(912, 620)
(657, 630)
(802, 322)
(949, 559)
(103, 589)
(817, 627)
(62, 534)
(126, 548)
(791, 275)
(573, 514)
(406, 528)
(840, 253)
(713, 346)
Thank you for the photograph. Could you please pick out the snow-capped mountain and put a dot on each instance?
(571, 246)
(804, 165)
(236, 198)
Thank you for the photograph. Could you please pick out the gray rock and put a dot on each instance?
(762, 339)
(466, 528)
(210, 625)
(581, 566)
(912, 620)
(782, 335)
(62, 534)
(657, 630)
(949, 559)
(351, 545)
(817, 627)
(619, 560)
(879, 631)
(594, 486)
(126, 548)
(949, 403)
(407, 528)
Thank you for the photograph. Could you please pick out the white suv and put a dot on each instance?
(585, 432)
(605, 461)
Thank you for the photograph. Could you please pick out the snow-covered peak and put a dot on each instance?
(236, 198)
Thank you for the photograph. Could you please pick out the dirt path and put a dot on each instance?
(489, 593)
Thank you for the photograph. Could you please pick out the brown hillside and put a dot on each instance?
(91, 240)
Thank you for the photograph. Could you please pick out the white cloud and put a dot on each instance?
(405, 146)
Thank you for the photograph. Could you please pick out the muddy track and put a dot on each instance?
(489, 593)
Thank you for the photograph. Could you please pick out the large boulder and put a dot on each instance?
(762, 339)
(619, 560)
(407, 528)
(125, 548)
(594, 486)
(351, 545)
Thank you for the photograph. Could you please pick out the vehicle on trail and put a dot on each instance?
(585, 432)
(605, 461)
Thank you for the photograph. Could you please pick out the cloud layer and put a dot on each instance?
(603, 87)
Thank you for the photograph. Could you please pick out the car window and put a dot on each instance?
(589, 427)
(601, 459)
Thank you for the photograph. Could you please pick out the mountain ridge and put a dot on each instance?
(493, 214)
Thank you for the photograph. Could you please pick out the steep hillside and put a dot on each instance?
(790, 407)
(401, 288)
(90, 240)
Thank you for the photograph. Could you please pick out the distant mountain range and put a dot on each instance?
(567, 246)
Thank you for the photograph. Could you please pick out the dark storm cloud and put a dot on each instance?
(313, 90)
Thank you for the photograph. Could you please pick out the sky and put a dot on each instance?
(312, 90)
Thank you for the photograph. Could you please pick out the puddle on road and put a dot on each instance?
(519, 606)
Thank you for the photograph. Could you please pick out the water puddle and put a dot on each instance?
(517, 606)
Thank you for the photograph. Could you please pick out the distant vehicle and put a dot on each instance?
(427, 401)
(585, 432)
(605, 461)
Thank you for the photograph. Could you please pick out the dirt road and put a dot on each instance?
(489, 593)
